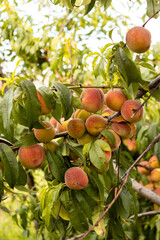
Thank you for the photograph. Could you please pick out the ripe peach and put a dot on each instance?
(76, 127)
(53, 121)
(44, 108)
(107, 112)
(86, 138)
(130, 144)
(95, 124)
(117, 142)
(92, 99)
(52, 146)
(114, 99)
(155, 175)
(127, 110)
(149, 186)
(157, 190)
(82, 114)
(143, 170)
(31, 156)
(46, 134)
(60, 128)
(108, 155)
(76, 178)
(153, 162)
(122, 129)
(138, 39)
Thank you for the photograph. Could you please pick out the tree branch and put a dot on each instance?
(144, 214)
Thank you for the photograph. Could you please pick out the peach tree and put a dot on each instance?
(79, 130)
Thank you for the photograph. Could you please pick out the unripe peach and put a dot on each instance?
(86, 138)
(46, 134)
(52, 146)
(114, 99)
(122, 129)
(143, 170)
(76, 178)
(127, 111)
(44, 108)
(92, 99)
(155, 175)
(32, 156)
(138, 39)
(116, 143)
(82, 114)
(95, 124)
(153, 162)
(76, 127)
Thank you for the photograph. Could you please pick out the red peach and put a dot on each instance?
(127, 111)
(76, 178)
(44, 108)
(46, 134)
(114, 99)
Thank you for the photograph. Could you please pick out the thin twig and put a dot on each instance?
(144, 214)
(150, 18)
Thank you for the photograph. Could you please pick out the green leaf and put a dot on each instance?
(127, 67)
(48, 96)
(103, 145)
(19, 114)
(22, 176)
(1, 185)
(57, 166)
(109, 135)
(27, 140)
(100, 229)
(32, 104)
(152, 7)
(6, 106)
(9, 160)
(97, 156)
(116, 229)
(66, 97)
(89, 7)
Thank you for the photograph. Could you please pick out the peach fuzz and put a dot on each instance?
(153, 162)
(138, 39)
(114, 99)
(45, 134)
(95, 124)
(76, 178)
(143, 170)
(122, 129)
(76, 127)
(31, 156)
(86, 138)
(82, 114)
(92, 99)
(127, 110)
(117, 140)
(44, 108)
(155, 175)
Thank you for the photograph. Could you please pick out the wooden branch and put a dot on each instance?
(144, 214)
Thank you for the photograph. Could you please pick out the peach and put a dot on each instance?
(53, 121)
(153, 162)
(116, 143)
(138, 39)
(108, 155)
(52, 146)
(82, 114)
(60, 128)
(130, 144)
(127, 110)
(143, 170)
(76, 178)
(122, 129)
(155, 175)
(76, 127)
(149, 186)
(86, 138)
(31, 156)
(64, 123)
(107, 112)
(44, 108)
(92, 99)
(157, 190)
(114, 99)
(46, 134)
(95, 124)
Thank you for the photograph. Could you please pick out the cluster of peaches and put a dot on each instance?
(151, 169)
(85, 126)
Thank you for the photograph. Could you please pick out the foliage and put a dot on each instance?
(59, 59)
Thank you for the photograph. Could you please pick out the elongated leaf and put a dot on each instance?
(22, 176)
(57, 166)
(103, 145)
(66, 97)
(32, 104)
(27, 140)
(48, 96)
(127, 67)
(100, 229)
(19, 114)
(89, 7)
(152, 7)
(6, 105)
(10, 164)
(97, 156)
(1, 185)
(116, 229)
(77, 218)
(109, 135)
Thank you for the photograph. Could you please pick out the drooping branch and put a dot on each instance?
(145, 214)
